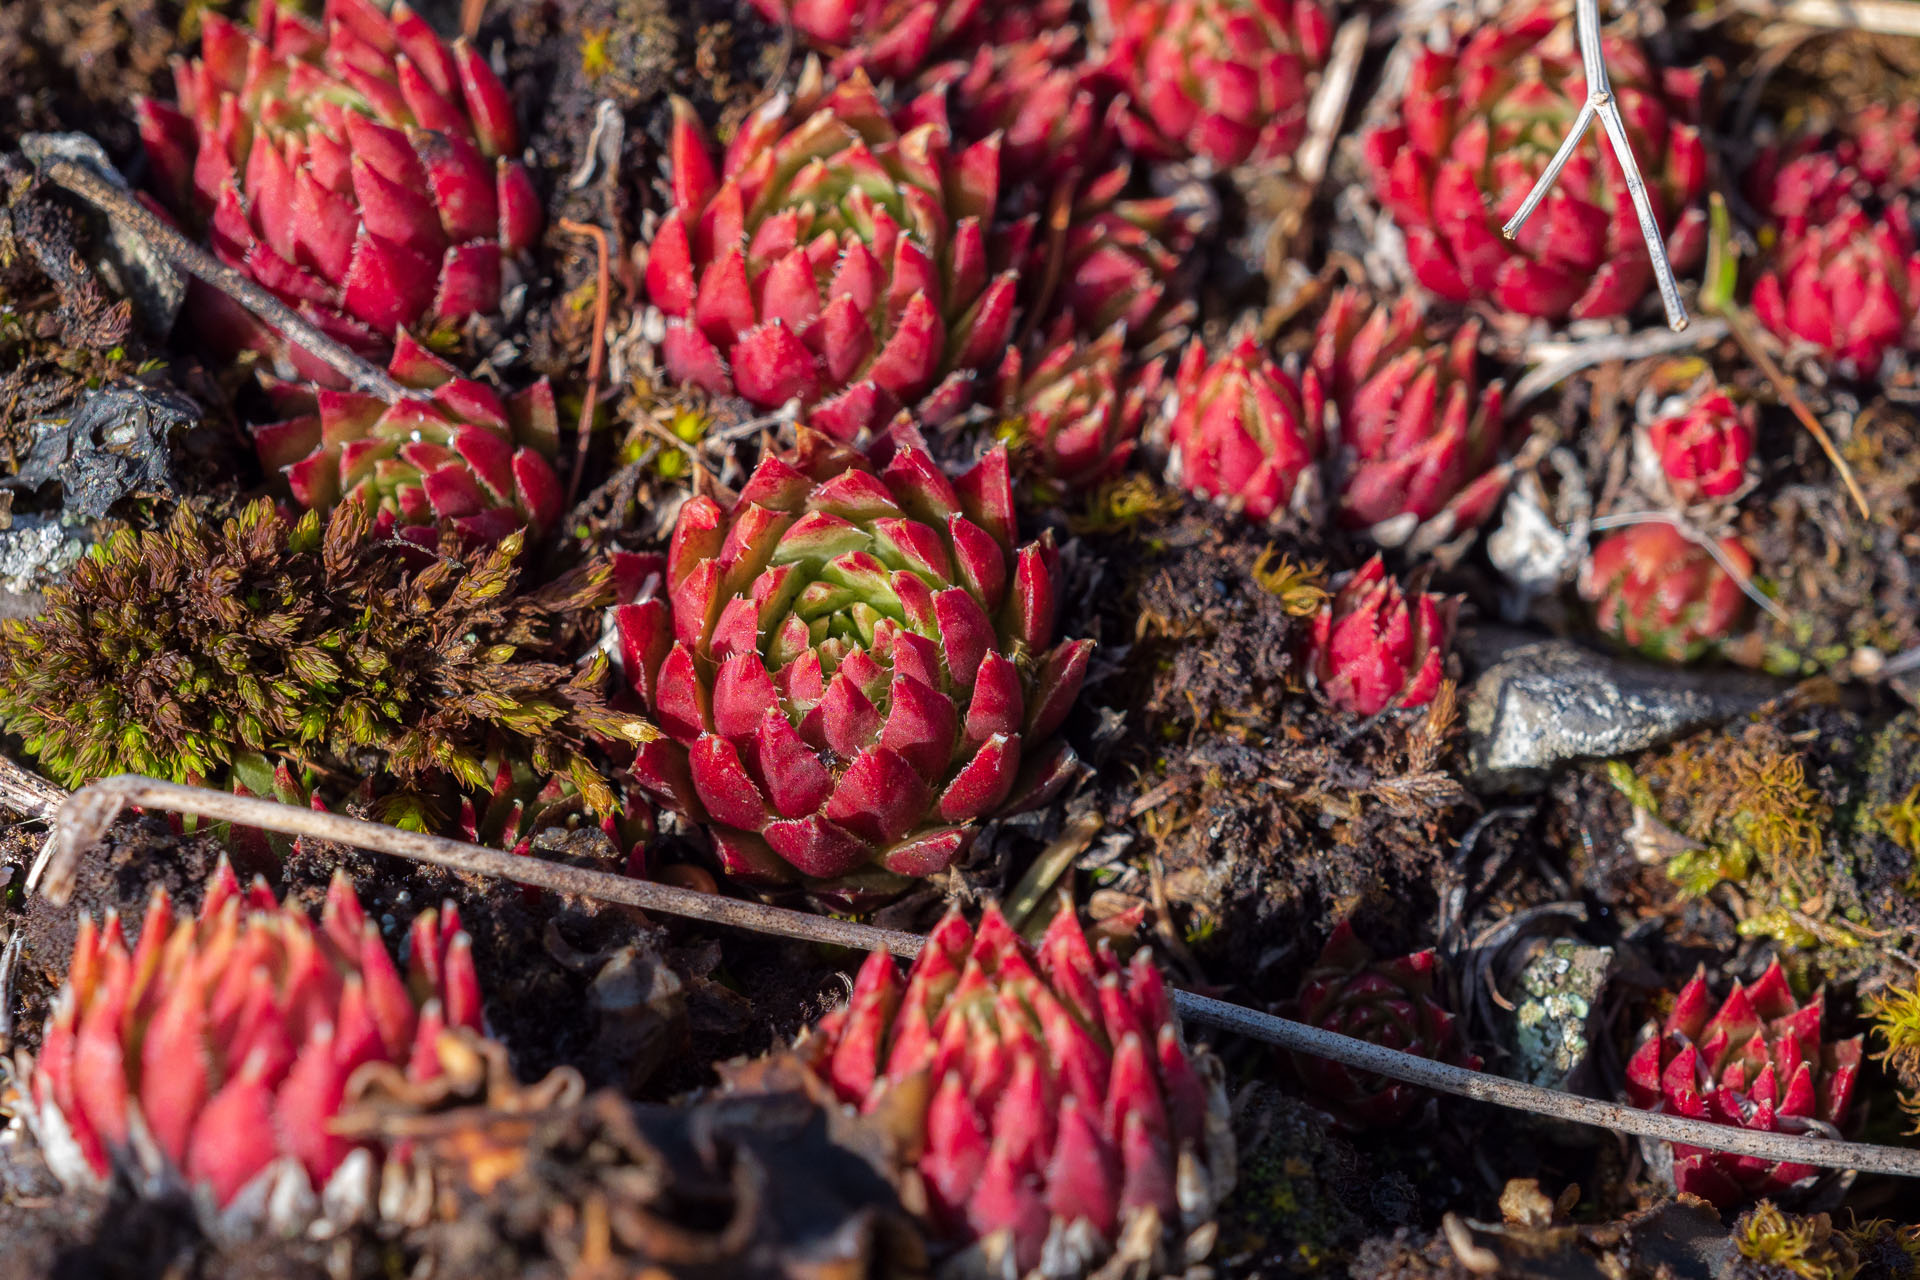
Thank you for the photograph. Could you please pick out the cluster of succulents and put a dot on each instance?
(1053, 1107)
(216, 1052)
(361, 170)
(1760, 1060)
(1390, 1003)
(1479, 123)
(189, 651)
(852, 664)
(1843, 275)
(953, 259)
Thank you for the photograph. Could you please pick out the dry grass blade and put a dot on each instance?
(597, 350)
(87, 814)
(1881, 17)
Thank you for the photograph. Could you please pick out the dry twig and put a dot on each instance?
(85, 817)
(195, 261)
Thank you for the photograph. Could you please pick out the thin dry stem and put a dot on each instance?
(191, 258)
(597, 355)
(1329, 105)
(1881, 17)
(1783, 387)
(1558, 361)
(85, 817)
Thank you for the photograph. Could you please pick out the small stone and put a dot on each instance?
(1539, 704)
(1558, 989)
(35, 552)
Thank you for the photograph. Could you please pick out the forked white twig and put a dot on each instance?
(1600, 103)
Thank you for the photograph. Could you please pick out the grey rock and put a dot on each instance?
(35, 552)
(130, 263)
(1559, 988)
(117, 445)
(1537, 704)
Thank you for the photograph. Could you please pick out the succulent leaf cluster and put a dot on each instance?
(179, 651)
(1241, 433)
(1659, 592)
(1843, 271)
(1760, 1060)
(214, 1053)
(358, 167)
(461, 456)
(1479, 123)
(1078, 408)
(1375, 644)
(1225, 82)
(1053, 1107)
(1120, 257)
(1039, 95)
(1388, 1002)
(852, 664)
(1420, 436)
(1704, 447)
(835, 259)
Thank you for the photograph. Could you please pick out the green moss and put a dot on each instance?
(195, 650)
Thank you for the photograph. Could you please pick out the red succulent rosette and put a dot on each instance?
(1759, 1061)
(833, 259)
(1352, 992)
(1848, 284)
(1049, 1100)
(1704, 448)
(894, 39)
(1240, 432)
(215, 1053)
(1079, 406)
(1222, 81)
(1420, 434)
(1661, 593)
(1375, 645)
(359, 168)
(461, 455)
(852, 665)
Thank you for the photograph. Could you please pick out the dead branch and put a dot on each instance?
(83, 820)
